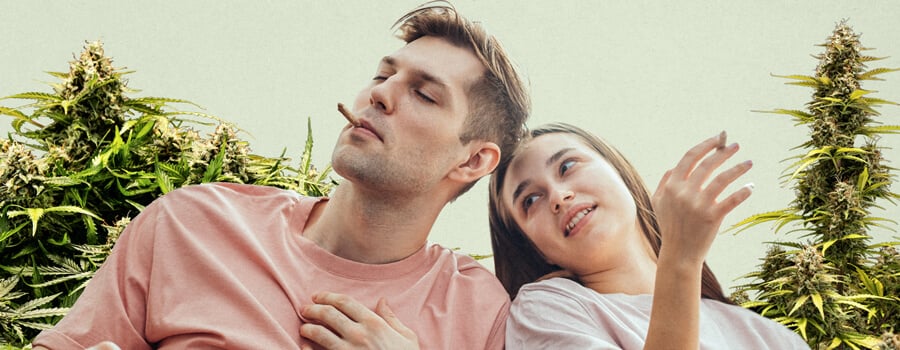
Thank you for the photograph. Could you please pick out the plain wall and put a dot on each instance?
(652, 77)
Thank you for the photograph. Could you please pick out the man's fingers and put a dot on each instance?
(320, 335)
(384, 310)
(354, 310)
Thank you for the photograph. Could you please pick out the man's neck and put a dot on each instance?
(370, 227)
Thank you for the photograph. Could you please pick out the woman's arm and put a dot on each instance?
(689, 215)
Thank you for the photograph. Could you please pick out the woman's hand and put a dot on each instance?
(687, 207)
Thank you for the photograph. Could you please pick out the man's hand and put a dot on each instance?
(337, 321)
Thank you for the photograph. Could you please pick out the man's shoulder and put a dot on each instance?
(216, 192)
(462, 262)
(465, 269)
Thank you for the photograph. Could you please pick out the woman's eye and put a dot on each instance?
(380, 78)
(528, 201)
(424, 97)
(565, 166)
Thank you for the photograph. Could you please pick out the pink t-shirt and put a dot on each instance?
(226, 266)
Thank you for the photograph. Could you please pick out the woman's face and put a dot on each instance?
(570, 202)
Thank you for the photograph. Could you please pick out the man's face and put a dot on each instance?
(412, 114)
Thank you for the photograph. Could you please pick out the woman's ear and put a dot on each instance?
(482, 160)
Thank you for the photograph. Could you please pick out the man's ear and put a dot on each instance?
(481, 162)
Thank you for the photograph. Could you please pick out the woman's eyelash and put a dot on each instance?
(566, 165)
(528, 201)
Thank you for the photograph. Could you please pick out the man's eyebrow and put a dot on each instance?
(418, 73)
(555, 157)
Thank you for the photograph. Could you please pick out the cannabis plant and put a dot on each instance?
(85, 159)
(836, 287)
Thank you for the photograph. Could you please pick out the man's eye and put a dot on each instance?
(424, 97)
(380, 78)
(565, 166)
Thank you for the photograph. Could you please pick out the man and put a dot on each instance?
(237, 266)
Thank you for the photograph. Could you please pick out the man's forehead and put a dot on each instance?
(440, 58)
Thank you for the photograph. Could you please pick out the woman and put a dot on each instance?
(568, 204)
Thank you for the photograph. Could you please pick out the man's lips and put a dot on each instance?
(366, 127)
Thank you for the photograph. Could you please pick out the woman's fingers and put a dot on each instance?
(718, 184)
(709, 165)
(729, 203)
(690, 159)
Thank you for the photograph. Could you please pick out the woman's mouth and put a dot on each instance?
(576, 219)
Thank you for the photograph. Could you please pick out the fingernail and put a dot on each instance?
(750, 186)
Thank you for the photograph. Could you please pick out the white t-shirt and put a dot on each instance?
(227, 266)
(559, 313)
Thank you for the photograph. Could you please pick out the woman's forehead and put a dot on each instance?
(533, 156)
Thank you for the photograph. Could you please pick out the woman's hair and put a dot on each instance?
(517, 261)
(499, 101)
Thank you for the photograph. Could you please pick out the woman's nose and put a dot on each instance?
(559, 199)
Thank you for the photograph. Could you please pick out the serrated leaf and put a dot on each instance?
(817, 301)
(873, 73)
(41, 313)
(858, 93)
(797, 304)
(39, 96)
(35, 303)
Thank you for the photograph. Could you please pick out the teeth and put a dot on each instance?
(576, 219)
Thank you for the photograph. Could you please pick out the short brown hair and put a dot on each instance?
(499, 101)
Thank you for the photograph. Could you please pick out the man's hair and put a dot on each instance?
(499, 102)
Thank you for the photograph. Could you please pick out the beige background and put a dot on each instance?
(652, 77)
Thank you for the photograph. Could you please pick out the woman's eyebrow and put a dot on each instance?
(555, 157)
(521, 187)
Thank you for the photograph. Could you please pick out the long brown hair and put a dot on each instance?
(499, 101)
(517, 261)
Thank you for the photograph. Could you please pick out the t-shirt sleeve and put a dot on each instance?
(497, 337)
(548, 319)
(113, 304)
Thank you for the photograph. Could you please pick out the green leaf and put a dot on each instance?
(856, 94)
(38, 96)
(863, 179)
(805, 78)
(35, 214)
(801, 326)
(873, 73)
(876, 101)
(797, 304)
(817, 301)
(61, 75)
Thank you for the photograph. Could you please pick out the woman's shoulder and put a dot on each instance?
(560, 291)
(751, 326)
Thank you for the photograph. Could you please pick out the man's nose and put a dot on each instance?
(382, 97)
